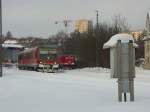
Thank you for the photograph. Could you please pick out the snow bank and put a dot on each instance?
(79, 90)
(96, 70)
(125, 38)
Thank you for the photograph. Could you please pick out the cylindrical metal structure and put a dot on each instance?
(122, 61)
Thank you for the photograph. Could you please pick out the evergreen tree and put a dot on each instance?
(9, 35)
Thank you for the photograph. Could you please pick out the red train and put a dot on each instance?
(36, 59)
(67, 61)
(44, 60)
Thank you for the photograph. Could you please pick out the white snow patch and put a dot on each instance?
(10, 42)
(80, 90)
(96, 69)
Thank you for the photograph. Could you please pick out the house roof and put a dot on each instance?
(11, 44)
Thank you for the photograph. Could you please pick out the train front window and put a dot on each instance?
(48, 56)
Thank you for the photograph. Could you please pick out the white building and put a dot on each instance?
(11, 50)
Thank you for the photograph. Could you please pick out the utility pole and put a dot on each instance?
(1, 72)
(97, 17)
(97, 39)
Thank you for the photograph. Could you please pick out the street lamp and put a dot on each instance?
(1, 72)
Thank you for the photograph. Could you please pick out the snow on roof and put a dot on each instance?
(125, 38)
(29, 50)
(10, 42)
(12, 45)
(146, 38)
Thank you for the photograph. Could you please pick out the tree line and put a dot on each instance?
(88, 46)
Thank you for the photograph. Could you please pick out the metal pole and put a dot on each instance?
(119, 63)
(97, 15)
(1, 72)
(125, 97)
(97, 40)
(131, 70)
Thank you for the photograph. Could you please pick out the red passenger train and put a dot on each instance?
(67, 61)
(36, 59)
(44, 60)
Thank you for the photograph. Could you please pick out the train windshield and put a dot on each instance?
(48, 56)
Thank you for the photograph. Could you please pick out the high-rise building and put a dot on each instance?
(83, 25)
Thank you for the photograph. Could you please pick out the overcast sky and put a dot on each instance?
(37, 17)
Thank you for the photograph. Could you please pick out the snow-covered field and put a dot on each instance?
(80, 90)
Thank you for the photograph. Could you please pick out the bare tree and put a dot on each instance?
(120, 24)
(83, 45)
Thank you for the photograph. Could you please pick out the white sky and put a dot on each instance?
(37, 17)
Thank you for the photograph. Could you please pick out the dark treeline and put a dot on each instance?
(86, 46)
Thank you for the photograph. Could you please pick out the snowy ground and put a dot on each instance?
(81, 90)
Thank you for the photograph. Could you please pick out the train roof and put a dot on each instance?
(27, 50)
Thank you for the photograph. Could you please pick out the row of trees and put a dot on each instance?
(88, 46)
